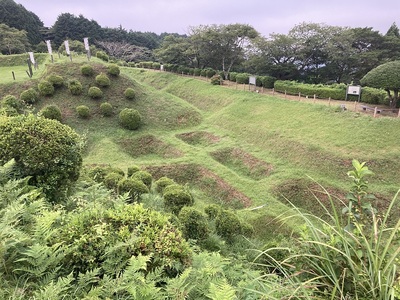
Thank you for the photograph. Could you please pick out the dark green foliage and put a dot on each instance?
(103, 80)
(113, 70)
(106, 109)
(216, 80)
(212, 211)
(111, 180)
(132, 170)
(102, 55)
(46, 88)
(56, 80)
(51, 112)
(144, 177)
(95, 93)
(232, 76)
(87, 70)
(130, 93)
(98, 173)
(374, 96)
(75, 87)
(162, 183)
(10, 101)
(133, 186)
(44, 149)
(334, 91)
(197, 72)
(194, 223)
(29, 96)
(210, 73)
(83, 111)
(175, 197)
(242, 78)
(266, 81)
(228, 225)
(130, 118)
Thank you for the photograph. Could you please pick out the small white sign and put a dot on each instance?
(31, 57)
(252, 80)
(66, 43)
(86, 42)
(161, 67)
(354, 90)
(49, 47)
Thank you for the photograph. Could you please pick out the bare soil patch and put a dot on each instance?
(210, 183)
(199, 138)
(243, 162)
(148, 144)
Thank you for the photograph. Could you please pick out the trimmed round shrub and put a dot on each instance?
(52, 112)
(111, 180)
(144, 177)
(242, 78)
(102, 55)
(10, 101)
(212, 211)
(113, 70)
(46, 88)
(210, 73)
(103, 80)
(98, 173)
(194, 224)
(130, 93)
(29, 96)
(56, 80)
(216, 80)
(162, 183)
(95, 93)
(132, 170)
(106, 109)
(176, 197)
(83, 111)
(129, 118)
(75, 87)
(87, 70)
(45, 150)
(228, 225)
(134, 187)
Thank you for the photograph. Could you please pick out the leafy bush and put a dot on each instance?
(56, 80)
(210, 73)
(216, 80)
(106, 109)
(197, 72)
(87, 70)
(144, 177)
(52, 112)
(194, 223)
(29, 96)
(83, 111)
(103, 80)
(212, 211)
(228, 225)
(75, 87)
(232, 76)
(46, 88)
(129, 118)
(162, 183)
(113, 70)
(176, 197)
(11, 101)
(266, 81)
(335, 91)
(133, 186)
(242, 78)
(44, 149)
(132, 170)
(130, 93)
(111, 180)
(102, 55)
(94, 92)
(374, 96)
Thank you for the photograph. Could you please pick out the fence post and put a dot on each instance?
(355, 105)
(285, 94)
(329, 101)
(314, 97)
(375, 111)
(273, 91)
(398, 115)
(299, 96)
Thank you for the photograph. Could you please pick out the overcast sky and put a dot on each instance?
(266, 16)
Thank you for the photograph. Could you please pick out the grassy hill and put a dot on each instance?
(234, 147)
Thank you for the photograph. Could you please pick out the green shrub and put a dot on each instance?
(156, 65)
(102, 55)
(106, 109)
(75, 87)
(130, 93)
(29, 96)
(210, 73)
(94, 92)
(162, 183)
(228, 225)
(216, 80)
(374, 96)
(176, 197)
(103, 80)
(83, 111)
(335, 91)
(129, 118)
(212, 211)
(266, 81)
(56, 80)
(242, 78)
(113, 70)
(132, 170)
(111, 180)
(46, 150)
(197, 72)
(134, 187)
(46, 88)
(203, 72)
(87, 70)
(194, 223)
(98, 173)
(52, 112)
(232, 76)
(12, 102)
(8, 111)
(144, 177)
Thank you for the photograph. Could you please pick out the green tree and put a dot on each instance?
(177, 50)
(387, 77)
(12, 41)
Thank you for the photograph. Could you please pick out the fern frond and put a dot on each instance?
(6, 171)
(55, 290)
(222, 291)
(180, 287)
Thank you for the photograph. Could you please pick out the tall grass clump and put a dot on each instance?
(351, 254)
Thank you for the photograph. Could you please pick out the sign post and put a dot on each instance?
(86, 43)
(354, 90)
(50, 50)
(252, 81)
(66, 43)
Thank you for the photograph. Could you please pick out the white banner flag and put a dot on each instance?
(86, 42)
(66, 43)
(49, 47)
(32, 58)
